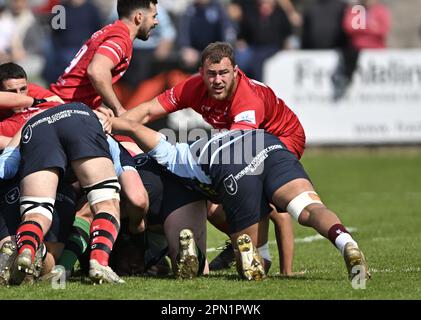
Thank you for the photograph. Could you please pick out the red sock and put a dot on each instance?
(29, 235)
(104, 231)
(335, 231)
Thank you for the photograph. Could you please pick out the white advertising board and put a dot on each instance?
(381, 106)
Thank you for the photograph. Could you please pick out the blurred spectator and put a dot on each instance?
(322, 25)
(204, 21)
(373, 32)
(44, 7)
(176, 8)
(264, 29)
(82, 20)
(366, 29)
(105, 7)
(6, 34)
(150, 56)
(29, 37)
(294, 16)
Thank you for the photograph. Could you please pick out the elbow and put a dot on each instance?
(92, 72)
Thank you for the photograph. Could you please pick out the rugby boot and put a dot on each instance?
(187, 261)
(37, 266)
(102, 274)
(354, 258)
(225, 259)
(22, 267)
(8, 255)
(251, 262)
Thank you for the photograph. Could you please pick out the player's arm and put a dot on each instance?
(10, 100)
(146, 112)
(145, 138)
(100, 74)
(176, 158)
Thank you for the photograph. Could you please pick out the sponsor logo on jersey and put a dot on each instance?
(246, 116)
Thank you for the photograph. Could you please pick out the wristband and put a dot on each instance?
(37, 102)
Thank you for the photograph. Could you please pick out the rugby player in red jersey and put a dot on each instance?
(13, 79)
(227, 99)
(105, 57)
(90, 76)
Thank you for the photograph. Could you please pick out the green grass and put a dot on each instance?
(376, 192)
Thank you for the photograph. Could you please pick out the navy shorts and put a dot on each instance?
(63, 216)
(59, 135)
(246, 198)
(166, 193)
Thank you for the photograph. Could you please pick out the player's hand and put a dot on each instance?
(120, 111)
(105, 111)
(105, 120)
(54, 99)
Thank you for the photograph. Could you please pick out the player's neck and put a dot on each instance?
(132, 28)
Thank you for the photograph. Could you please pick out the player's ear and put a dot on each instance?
(138, 17)
(235, 70)
(201, 71)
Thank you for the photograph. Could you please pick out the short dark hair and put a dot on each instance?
(126, 7)
(216, 51)
(11, 70)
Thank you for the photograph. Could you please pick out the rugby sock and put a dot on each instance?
(76, 244)
(104, 231)
(201, 257)
(339, 236)
(29, 235)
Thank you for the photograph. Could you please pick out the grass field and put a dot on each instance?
(376, 192)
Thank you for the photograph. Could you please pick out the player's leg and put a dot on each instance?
(226, 258)
(284, 239)
(247, 212)
(8, 250)
(38, 193)
(134, 200)
(303, 203)
(98, 178)
(185, 230)
(252, 250)
(78, 239)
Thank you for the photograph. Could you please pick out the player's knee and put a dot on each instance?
(281, 217)
(43, 206)
(139, 200)
(296, 207)
(105, 190)
(215, 213)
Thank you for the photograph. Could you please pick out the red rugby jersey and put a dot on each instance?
(112, 41)
(252, 106)
(12, 124)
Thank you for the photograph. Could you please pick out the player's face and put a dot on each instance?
(16, 86)
(149, 21)
(219, 78)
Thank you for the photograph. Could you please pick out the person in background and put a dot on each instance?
(263, 32)
(367, 29)
(82, 20)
